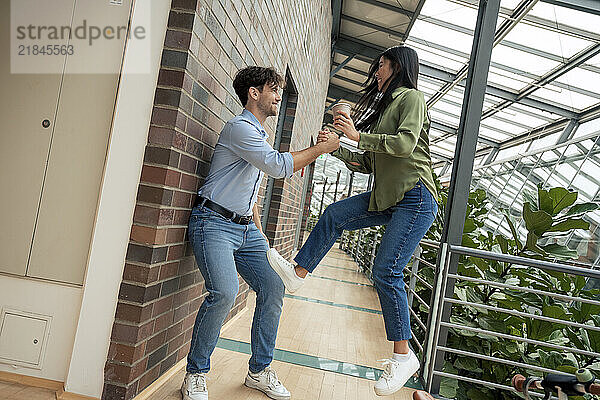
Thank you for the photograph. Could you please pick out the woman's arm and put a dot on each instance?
(411, 117)
(355, 161)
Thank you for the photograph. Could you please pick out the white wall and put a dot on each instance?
(115, 211)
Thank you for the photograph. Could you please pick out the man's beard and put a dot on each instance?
(268, 110)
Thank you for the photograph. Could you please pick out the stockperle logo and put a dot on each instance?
(83, 36)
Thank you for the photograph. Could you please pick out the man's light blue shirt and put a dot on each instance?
(241, 156)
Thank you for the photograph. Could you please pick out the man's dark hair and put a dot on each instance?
(255, 77)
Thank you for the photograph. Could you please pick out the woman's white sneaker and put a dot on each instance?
(266, 381)
(285, 270)
(396, 374)
(194, 387)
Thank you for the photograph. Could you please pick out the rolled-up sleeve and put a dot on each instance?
(401, 143)
(247, 142)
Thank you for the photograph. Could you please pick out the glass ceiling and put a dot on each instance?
(542, 97)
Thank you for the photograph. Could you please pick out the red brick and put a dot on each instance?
(176, 343)
(175, 252)
(149, 377)
(171, 78)
(133, 313)
(126, 354)
(148, 235)
(181, 313)
(168, 270)
(145, 214)
(189, 321)
(173, 331)
(163, 321)
(162, 305)
(175, 235)
(189, 182)
(164, 117)
(155, 342)
(182, 199)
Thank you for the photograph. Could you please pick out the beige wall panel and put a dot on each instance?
(25, 101)
(78, 152)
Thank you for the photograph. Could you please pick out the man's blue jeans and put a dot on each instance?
(406, 224)
(221, 248)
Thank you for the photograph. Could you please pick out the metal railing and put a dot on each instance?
(435, 305)
(447, 305)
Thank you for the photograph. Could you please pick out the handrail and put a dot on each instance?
(530, 262)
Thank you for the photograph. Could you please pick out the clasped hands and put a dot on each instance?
(344, 123)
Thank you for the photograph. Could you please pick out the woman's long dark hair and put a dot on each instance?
(405, 64)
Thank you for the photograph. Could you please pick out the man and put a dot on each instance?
(226, 235)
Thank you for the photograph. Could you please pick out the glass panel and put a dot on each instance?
(570, 99)
(545, 141)
(507, 79)
(522, 60)
(546, 40)
(440, 35)
(566, 16)
(582, 78)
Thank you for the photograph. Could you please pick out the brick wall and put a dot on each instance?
(206, 43)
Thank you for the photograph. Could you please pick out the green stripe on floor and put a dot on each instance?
(330, 303)
(341, 280)
(320, 363)
(334, 266)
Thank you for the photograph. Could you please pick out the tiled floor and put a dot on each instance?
(330, 337)
(15, 391)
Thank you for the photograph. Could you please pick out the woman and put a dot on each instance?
(392, 129)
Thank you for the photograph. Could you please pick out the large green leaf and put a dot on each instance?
(511, 224)
(561, 198)
(448, 386)
(529, 197)
(468, 364)
(560, 251)
(532, 245)
(594, 337)
(583, 311)
(476, 394)
(544, 201)
(469, 225)
(537, 222)
(569, 224)
(467, 241)
(541, 330)
(582, 208)
(503, 243)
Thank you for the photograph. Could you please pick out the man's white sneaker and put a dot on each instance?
(194, 387)
(266, 381)
(396, 374)
(285, 270)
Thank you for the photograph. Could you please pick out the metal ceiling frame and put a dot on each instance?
(503, 97)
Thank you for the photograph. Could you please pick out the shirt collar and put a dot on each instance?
(398, 91)
(254, 121)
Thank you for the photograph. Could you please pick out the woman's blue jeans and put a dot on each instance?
(222, 249)
(406, 224)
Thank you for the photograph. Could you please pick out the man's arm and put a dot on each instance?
(304, 157)
(256, 218)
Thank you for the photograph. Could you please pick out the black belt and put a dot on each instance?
(230, 215)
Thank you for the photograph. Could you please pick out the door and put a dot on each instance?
(26, 101)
